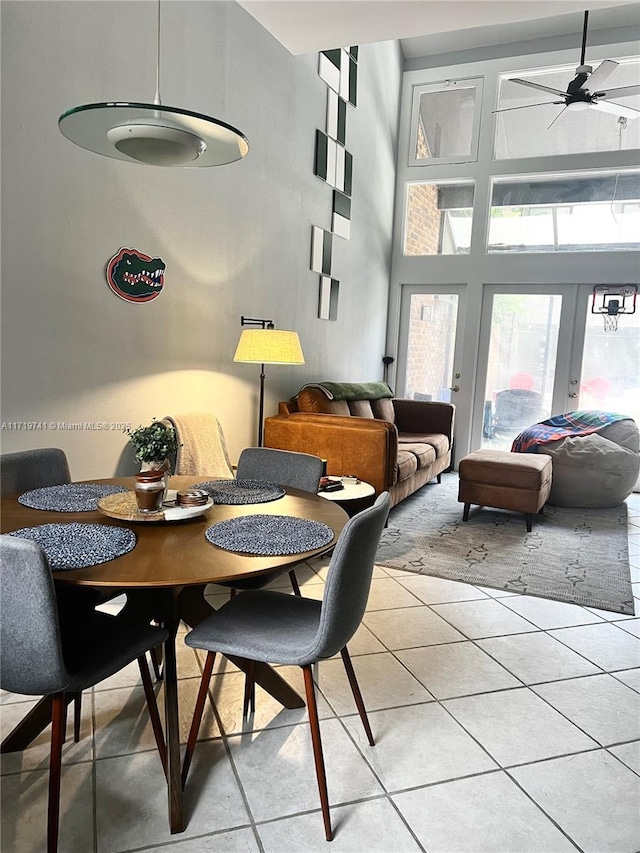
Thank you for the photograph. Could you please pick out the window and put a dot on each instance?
(438, 218)
(527, 132)
(445, 120)
(579, 212)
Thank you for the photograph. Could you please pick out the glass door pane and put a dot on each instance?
(433, 319)
(610, 375)
(521, 366)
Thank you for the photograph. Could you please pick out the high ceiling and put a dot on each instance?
(431, 26)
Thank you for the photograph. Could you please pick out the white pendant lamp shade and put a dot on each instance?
(153, 134)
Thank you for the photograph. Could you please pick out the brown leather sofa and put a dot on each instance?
(396, 445)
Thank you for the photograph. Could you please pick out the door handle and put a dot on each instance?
(573, 394)
(455, 388)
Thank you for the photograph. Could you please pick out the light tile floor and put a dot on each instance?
(503, 724)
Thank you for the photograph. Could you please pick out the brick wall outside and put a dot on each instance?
(430, 345)
(422, 229)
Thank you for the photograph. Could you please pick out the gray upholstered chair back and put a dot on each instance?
(33, 469)
(298, 470)
(349, 578)
(31, 660)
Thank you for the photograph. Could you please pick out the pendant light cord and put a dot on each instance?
(156, 99)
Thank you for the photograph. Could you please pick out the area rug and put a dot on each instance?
(579, 556)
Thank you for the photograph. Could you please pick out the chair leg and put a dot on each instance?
(197, 715)
(152, 705)
(77, 714)
(156, 661)
(249, 703)
(527, 518)
(438, 478)
(465, 512)
(294, 583)
(58, 725)
(357, 695)
(317, 750)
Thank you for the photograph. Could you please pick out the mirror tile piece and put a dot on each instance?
(328, 71)
(321, 250)
(328, 298)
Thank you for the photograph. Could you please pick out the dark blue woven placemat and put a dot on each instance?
(76, 546)
(269, 535)
(71, 497)
(236, 492)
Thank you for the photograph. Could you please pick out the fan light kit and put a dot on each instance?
(153, 134)
(585, 90)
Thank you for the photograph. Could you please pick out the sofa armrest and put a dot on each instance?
(421, 416)
(365, 447)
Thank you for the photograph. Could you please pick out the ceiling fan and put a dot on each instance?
(585, 90)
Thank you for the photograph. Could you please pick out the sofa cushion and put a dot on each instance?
(424, 453)
(437, 440)
(406, 466)
(383, 410)
(360, 408)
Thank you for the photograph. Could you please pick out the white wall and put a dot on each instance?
(235, 239)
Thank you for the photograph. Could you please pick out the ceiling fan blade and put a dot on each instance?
(615, 109)
(602, 73)
(561, 113)
(624, 92)
(537, 86)
(526, 106)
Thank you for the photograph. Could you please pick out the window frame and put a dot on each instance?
(476, 83)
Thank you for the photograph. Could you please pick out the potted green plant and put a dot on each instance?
(154, 445)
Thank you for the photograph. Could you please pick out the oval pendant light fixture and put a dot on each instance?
(153, 134)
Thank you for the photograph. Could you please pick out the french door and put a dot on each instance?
(542, 352)
(431, 344)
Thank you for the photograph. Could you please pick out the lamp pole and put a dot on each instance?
(261, 324)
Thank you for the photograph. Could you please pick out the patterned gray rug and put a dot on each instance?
(575, 555)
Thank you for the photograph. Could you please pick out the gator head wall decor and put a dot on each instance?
(134, 276)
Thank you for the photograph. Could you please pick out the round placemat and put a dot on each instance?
(235, 492)
(269, 535)
(71, 497)
(76, 546)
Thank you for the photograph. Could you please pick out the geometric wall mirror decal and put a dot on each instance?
(336, 117)
(329, 68)
(328, 299)
(334, 165)
(321, 250)
(341, 219)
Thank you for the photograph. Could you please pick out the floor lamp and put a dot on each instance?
(266, 345)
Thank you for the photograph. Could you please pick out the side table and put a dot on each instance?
(354, 497)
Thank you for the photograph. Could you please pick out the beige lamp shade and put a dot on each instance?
(269, 346)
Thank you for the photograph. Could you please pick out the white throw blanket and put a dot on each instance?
(201, 446)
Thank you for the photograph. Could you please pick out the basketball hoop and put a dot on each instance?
(611, 302)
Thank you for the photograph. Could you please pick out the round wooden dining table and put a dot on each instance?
(164, 577)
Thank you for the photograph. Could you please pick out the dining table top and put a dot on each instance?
(176, 553)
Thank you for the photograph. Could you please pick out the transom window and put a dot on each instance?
(445, 122)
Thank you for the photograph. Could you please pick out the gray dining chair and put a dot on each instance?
(33, 469)
(286, 468)
(36, 661)
(273, 627)
(21, 472)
